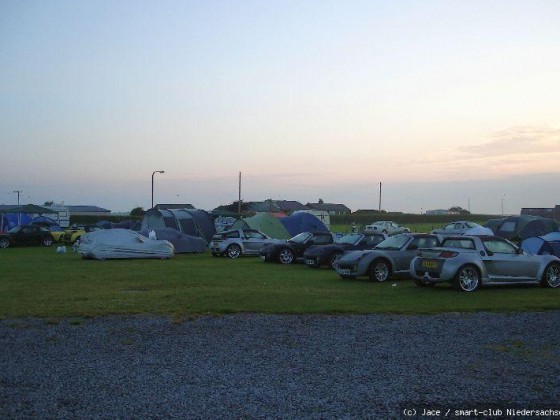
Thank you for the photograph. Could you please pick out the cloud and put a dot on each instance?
(517, 141)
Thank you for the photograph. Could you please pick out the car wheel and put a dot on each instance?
(551, 275)
(47, 241)
(215, 255)
(379, 271)
(467, 279)
(4, 243)
(335, 258)
(423, 283)
(286, 256)
(233, 251)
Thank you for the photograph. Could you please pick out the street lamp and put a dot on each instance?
(153, 173)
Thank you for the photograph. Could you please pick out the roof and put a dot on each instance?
(174, 206)
(26, 208)
(87, 209)
(329, 207)
(277, 205)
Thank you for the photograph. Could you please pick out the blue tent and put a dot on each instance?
(11, 220)
(548, 244)
(302, 222)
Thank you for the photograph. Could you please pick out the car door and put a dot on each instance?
(253, 241)
(505, 263)
(29, 235)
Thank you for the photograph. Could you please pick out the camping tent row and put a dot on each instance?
(189, 221)
(11, 217)
(281, 227)
(517, 228)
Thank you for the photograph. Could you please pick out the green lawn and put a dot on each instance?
(40, 283)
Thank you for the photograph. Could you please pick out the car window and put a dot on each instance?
(374, 239)
(425, 242)
(349, 239)
(28, 229)
(301, 238)
(499, 247)
(232, 234)
(458, 243)
(394, 242)
(323, 239)
(252, 234)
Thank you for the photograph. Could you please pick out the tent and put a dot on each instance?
(264, 222)
(189, 221)
(479, 231)
(19, 215)
(303, 222)
(181, 241)
(517, 228)
(548, 244)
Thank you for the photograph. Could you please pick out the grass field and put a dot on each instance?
(38, 282)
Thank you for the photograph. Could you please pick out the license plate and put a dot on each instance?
(262, 257)
(310, 262)
(345, 271)
(429, 264)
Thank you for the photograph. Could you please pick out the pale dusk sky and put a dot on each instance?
(445, 103)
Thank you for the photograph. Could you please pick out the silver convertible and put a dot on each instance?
(238, 242)
(469, 262)
(390, 258)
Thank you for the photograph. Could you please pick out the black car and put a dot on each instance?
(26, 235)
(319, 255)
(293, 249)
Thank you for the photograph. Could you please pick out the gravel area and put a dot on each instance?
(278, 366)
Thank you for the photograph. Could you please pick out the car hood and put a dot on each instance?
(322, 249)
(349, 256)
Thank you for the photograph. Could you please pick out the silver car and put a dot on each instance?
(456, 228)
(390, 258)
(238, 242)
(386, 226)
(469, 262)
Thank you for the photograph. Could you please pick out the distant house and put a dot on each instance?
(331, 208)
(272, 206)
(440, 211)
(88, 211)
(174, 206)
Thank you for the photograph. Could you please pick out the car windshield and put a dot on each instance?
(394, 242)
(351, 239)
(301, 238)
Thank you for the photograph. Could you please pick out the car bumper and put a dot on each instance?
(442, 273)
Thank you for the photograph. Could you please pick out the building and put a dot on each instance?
(331, 208)
(88, 211)
(174, 206)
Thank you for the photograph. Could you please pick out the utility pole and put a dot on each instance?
(239, 198)
(380, 197)
(18, 192)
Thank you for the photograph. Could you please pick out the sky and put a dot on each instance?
(446, 103)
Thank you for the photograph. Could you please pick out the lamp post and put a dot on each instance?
(153, 173)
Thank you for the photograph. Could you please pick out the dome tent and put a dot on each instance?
(189, 221)
(517, 228)
(303, 222)
(548, 244)
(265, 223)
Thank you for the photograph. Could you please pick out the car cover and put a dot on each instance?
(182, 242)
(122, 243)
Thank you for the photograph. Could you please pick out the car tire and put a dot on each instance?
(334, 258)
(286, 256)
(551, 275)
(47, 241)
(4, 243)
(379, 271)
(233, 251)
(467, 279)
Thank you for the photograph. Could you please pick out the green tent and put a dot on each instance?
(265, 223)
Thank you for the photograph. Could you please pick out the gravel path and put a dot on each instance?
(278, 366)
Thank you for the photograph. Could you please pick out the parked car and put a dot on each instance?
(456, 228)
(237, 242)
(26, 235)
(292, 250)
(388, 227)
(468, 262)
(318, 255)
(75, 233)
(391, 258)
(105, 244)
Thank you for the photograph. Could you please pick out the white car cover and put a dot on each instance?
(122, 243)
